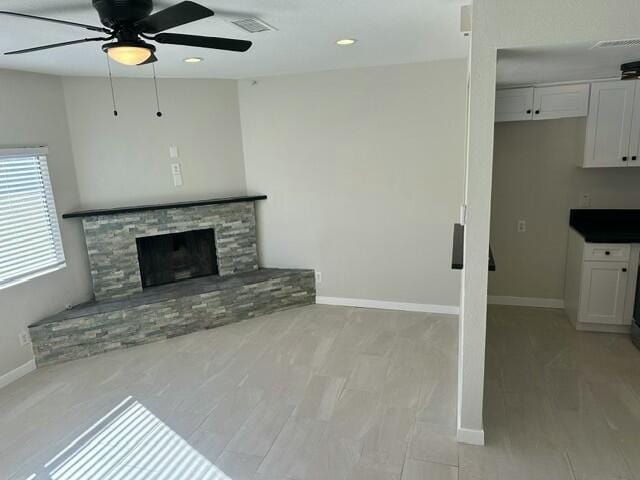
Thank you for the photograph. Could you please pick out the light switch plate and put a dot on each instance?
(173, 152)
(176, 169)
(177, 180)
(522, 226)
(585, 200)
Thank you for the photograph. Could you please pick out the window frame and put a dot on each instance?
(50, 211)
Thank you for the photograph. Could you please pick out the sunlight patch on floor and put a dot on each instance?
(129, 443)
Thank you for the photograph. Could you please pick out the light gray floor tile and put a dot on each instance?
(238, 466)
(369, 373)
(258, 433)
(335, 459)
(418, 470)
(355, 413)
(294, 448)
(385, 444)
(433, 443)
(320, 398)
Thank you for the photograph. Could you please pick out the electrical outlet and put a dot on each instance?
(318, 277)
(177, 180)
(522, 226)
(585, 200)
(24, 339)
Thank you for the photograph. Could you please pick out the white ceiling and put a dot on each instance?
(565, 63)
(389, 32)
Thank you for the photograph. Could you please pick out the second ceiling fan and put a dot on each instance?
(129, 24)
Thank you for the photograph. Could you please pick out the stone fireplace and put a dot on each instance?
(165, 270)
(113, 241)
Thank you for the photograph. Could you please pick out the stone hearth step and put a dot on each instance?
(168, 311)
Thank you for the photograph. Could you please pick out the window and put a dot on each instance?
(29, 234)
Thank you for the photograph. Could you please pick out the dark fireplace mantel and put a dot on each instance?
(163, 206)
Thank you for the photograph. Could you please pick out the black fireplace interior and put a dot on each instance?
(177, 256)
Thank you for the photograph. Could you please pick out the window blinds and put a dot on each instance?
(29, 234)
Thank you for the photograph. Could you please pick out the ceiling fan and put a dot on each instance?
(128, 23)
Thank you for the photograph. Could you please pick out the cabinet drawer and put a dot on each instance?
(607, 252)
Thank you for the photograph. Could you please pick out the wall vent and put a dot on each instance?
(630, 42)
(253, 25)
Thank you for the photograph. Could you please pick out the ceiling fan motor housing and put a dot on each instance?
(122, 12)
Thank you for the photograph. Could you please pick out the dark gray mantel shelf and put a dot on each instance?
(163, 206)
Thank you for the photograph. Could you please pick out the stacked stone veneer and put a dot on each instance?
(113, 255)
(200, 304)
(124, 315)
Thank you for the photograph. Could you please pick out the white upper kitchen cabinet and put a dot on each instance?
(609, 124)
(542, 103)
(514, 104)
(562, 101)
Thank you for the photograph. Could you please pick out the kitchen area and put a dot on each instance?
(562, 368)
(566, 191)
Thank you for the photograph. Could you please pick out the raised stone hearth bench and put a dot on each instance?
(168, 311)
(160, 271)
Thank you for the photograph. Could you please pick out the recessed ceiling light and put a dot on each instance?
(344, 42)
(193, 60)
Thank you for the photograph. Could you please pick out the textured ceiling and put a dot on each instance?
(562, 63)
(389, 32)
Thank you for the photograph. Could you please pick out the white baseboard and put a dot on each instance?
(470, 437)
(17, 373)
(383, 305)
(526, 301)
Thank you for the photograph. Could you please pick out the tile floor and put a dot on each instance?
(313, 393)
(559, 404)
(332, 393)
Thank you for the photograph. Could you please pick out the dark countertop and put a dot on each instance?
(606, 226)
(457, 256)
(161, 293)
(164, 206)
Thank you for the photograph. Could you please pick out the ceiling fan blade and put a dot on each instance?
(56, 45)
(174, 16)
(151, 59)
(216, 43)
(59, 7)
(53, 20)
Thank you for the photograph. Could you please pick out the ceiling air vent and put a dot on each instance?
(631, 42)
(253, 25)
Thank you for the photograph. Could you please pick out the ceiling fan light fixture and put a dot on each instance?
(129, 53)
(193, 60)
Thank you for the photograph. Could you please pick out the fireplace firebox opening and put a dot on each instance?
(174, 257)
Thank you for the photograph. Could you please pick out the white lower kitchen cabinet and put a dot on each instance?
(600, 284)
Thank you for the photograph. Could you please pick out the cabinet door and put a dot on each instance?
(514, 104)
(562, 101)
(634, 149)
(609, 124)
(603, 291)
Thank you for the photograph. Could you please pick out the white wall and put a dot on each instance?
(536, 178)
(362, 168)
(509, 24)
(124, 160)
(32, 113)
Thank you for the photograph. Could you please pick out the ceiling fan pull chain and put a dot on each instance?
(113, 94)
(155, 83)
